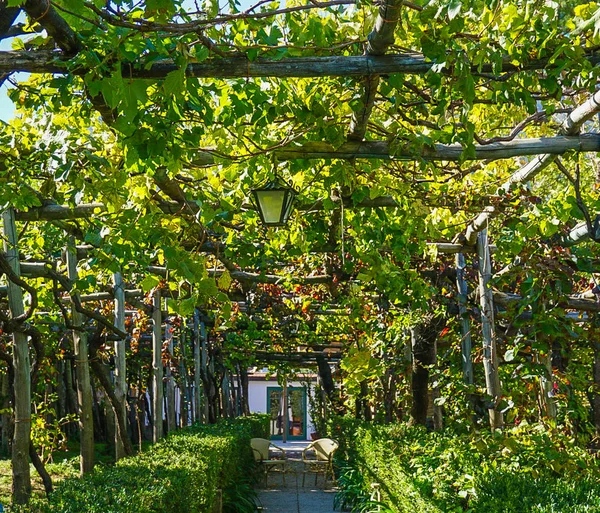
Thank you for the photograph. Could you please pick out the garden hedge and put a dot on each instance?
(183, 473)
(521, 470)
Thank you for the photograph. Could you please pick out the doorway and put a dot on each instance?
(296, 428)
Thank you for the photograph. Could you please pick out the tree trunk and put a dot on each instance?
(423, 339)
(364, 397)
(7, 424)
(61, 390)
(243, 373)
(82, 370)
(157, 371)
(41, 469)
(70, 389)
(21, 489)
(490, 357)
(120, 369)
(114, 401)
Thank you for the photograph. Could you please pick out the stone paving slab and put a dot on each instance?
(292, 497)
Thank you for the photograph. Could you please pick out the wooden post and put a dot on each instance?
(120, 363)
(82, 371)
(465, 324)
(21, 490)
(286, 420)
(547, 386)
(225, 395)
(170, 391)
(198, 411)
(490, 357)
(204, 366)
(157, 371)
(596, 385)
(186, 404)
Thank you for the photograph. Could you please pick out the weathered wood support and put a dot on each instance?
(198, 392)
(571, 126)
(43, 61)
(442, 152)
(186, 403)
(254, 277)
(170, 381)
(120, 364)
(490, 356)
(82, 370)
(580, 233)
(572, 302)
(57, 212)
(465, 323)
(206, 399)
(596, 383)
(157, 370)
(547, 387)
(21, 489)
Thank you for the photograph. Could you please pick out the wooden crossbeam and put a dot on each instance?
(442, 152)
(573, 302)
(41, 61)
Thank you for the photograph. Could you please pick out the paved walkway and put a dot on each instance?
(293, 497)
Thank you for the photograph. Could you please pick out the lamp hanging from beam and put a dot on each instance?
(274, 201)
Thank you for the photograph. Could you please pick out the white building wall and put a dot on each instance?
(257, 399)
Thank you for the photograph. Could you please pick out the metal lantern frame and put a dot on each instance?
(288, 193)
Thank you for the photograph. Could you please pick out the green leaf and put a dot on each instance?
(174, 83)
(149, 282)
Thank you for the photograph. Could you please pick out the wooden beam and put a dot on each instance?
(255, 277)
(43, 61)
(572, 302)
(441, 152)
(57, 212)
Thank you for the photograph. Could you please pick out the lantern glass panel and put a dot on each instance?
(271, 204)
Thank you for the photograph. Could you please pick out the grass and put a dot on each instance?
(64, 464)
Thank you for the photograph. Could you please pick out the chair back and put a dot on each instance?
(260, 448)
(324, 448)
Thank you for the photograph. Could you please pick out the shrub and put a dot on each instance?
(520, 470)
(182, 473)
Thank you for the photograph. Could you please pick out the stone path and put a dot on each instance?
(293, 497)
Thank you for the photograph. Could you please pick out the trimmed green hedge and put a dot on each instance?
(182, 473)
(524, 470)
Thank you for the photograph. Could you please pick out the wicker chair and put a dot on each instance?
(321, 462)
(261, 448)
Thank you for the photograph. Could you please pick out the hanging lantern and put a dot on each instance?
(273, 202)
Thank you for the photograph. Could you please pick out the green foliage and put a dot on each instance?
(181, 473)
(525, 469)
